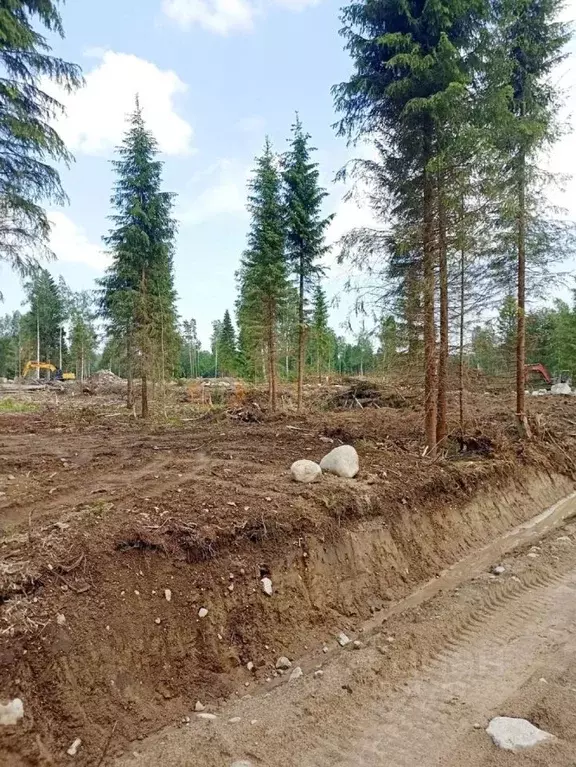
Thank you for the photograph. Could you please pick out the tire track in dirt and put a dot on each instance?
(485, 660)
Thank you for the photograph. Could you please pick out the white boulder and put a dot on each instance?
(267, 587)
(342, 639)
(511, 734)
(561, 388)
(342, 461)
(296, 674)
(305, 471)
(283, 662)
(12, 712)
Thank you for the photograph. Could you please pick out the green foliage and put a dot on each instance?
(227, 346)
(10, 405)
(320, 331)
(28, 142)
(41, 325)
(137, 293)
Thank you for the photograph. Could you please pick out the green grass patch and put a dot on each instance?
(10, 405)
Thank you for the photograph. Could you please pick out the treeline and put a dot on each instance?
(550, 340)
(59, 327)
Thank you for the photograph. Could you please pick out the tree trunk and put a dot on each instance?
(461, 342)
(190, 357)
(301, 337)
(37, 342)
(129, 375)
(523, 425)
(430, 381)
(144, 394)
(441, 428)
(272, 354)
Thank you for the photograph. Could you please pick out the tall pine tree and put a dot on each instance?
(138, 297)
(263, 273)
(305, 229)
(28, 142)
(227, 346)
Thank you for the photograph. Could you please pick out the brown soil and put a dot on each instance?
(101, 514)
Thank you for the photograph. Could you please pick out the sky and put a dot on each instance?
(214, 77)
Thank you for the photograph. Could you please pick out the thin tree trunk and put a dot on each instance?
(430, 381)
(144, 394)
(272, 354)
(441, 414)
(461, 341)
(129, 374)
(37, 341)
(190, 357)
(523, 425)
(301, 337)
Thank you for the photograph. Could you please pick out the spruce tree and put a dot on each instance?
(28, 142)
(305, 228)
(412, 69)
(42, 323)
(138, 296)
(531, 39)
(263, 273)
(227, 346)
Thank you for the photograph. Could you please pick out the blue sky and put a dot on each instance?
(214, 77)
(212, 83)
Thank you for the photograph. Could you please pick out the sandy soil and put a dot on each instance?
(423, 686)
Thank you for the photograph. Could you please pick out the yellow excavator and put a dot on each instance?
(58, 374)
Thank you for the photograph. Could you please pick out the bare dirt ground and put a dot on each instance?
(100, 514)
(422, 687)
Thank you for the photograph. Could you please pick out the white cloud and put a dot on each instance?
(95, 119)
(224, 195)
(221, 16)
(225, 16)
(70, 243)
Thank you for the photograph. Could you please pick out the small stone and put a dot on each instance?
(73, 750)
(390, 639)
(318, 673)
(512, 734)
(564, 539)
(230, 587)
(202, 612)
(305, 471)
(283, 663)
(12, 712)
(136, 592)
(199, 706)
(324, 649)
(60, 619)
(267, 586)
(477, 726)
(241, 763)
(235, 720)
(296, 674)
(498, 570)
(250, 666)
(253, 721)
(157, 621)
(532, 555)
(204, 715)
(342, 461)
(185, 720)
(342, 639)
(167, 595)
(357, 644)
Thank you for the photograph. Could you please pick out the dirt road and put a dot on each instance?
(423, 686)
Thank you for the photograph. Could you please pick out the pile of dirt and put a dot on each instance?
(105, 382)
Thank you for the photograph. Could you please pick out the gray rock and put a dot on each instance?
(296, 674)
(499, 569)
(12, 712)
(242, 763)
(204, 715)
(305, 471)
(342, 461)
(202, 612)
(267, 586)
(235, 720)
(511, 734)
(283, 663)
(358, 644)
(342, 639)
(199, 706)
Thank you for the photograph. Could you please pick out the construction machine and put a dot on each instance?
(563, 376)
(58, 374)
